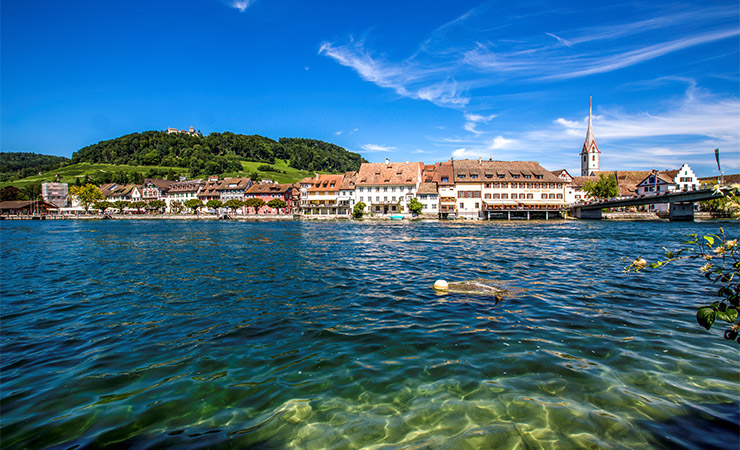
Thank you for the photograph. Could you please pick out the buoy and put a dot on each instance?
(441, 285)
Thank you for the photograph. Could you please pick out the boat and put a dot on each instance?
(396, 217)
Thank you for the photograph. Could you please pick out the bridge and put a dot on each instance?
(681, 202)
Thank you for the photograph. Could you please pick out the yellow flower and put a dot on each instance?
(731, 244)
(706, 267)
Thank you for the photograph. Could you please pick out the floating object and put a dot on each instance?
(441, 285)
(396, 217)
(479, 286)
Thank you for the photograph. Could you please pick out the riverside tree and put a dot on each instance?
(255, 203)
(193, 204)
(721, 266)
(606, 187)
(86, 195)
(214, 204)
(415, 206)
(276, 203)
(359, 210)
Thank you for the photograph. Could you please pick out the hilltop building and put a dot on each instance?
(190, 132)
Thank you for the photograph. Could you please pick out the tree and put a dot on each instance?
(234, 204)
(255, 177)
(415, 206)
(32, 191)
(606, 187)
(276, 203)
(86, 195)
(721, 266)
(121, 204)
(193, 204)
(159, 205)
(254, 203)
(102, 205)
(138, 205)
(214, 204)
(176, 206)
(358, 210)
(10, 193)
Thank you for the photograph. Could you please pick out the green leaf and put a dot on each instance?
(709, 240)
(706, 316)
(728, 315)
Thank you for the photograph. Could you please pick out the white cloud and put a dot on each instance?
(478, 118)
(500, 142)
(337, 133)
(464, 153)
(470, 126)
(561, 40)
(377, 148)
(241, 5)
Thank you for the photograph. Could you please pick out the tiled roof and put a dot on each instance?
(427, 188)
(732, 178)
(186, 186)
(210, 189)
(501, 171)
(272, 188)
(375, 174)
(233, 184)
(627, 179)
(349, 180)
(327, 183)
(162, 185)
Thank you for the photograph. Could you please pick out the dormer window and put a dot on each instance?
(461, 176)
(501, 175)
(474, 176)
(445, 180)
(515, 175)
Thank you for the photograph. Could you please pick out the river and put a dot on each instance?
(194, 334)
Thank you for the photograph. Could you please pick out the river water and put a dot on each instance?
(193, 334)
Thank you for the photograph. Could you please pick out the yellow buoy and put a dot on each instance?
(441, 285)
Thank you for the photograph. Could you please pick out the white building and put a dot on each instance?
(387, 188)
(590, 152)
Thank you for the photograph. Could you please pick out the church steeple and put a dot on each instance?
(590, 152)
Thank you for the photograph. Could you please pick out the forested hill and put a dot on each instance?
(18, 165)
(217, 152)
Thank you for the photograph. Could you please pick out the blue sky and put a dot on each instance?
(416, 80)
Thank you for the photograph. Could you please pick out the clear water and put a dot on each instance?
(329, 335)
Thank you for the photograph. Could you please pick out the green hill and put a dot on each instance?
(16, 165)
(217, 153)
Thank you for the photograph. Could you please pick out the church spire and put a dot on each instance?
(590, 152)
(590, 144)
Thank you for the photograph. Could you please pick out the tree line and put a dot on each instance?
(217, 153)
(17, 165)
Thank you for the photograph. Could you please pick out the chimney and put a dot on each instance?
(387, 161)
(480, 161)
(407, 162)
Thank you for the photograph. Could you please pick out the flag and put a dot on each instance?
(716, 156)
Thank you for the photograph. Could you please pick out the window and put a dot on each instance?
(488, 196)
(487, 185)
(385, 189)
(496, 196)
(513, 175)
(560, 196)
(495, 185)
(544, 196)
(385, 199)
(393, 189)
(393, 199)
(377, 189)
(539, 177)
(477, 205)
(461, 176)
(513, 196)
(445, 180)
(530, 196)
(537, 185)
(593, 157)
(552, 196)
(504, 196)
(474, 176)
(501, 175)
(527, 176)
(377, 199)
(462, 205)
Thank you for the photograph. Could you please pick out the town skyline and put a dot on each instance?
(469, 80)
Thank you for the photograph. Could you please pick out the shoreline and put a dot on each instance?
(613, 216)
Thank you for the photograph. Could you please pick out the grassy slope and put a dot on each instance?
(74, 171)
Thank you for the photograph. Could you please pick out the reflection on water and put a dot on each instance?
(329, 335)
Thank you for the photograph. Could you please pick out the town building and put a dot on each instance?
(210, 190)
(233, 188)
(183, 191)
(114, 192)
(154, 189)
(346, 200)
(55, 193)
(387, 188)
(487, 188)
(303, 187)
(574, 192)
(322, 197)
(271, 191)
(590, 152)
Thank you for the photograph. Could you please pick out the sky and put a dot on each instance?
(405, 80)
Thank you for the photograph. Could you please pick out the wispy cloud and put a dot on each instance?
(377, 148)
(478, 50)
(241, 5)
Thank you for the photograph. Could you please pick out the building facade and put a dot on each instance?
(387, 188)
